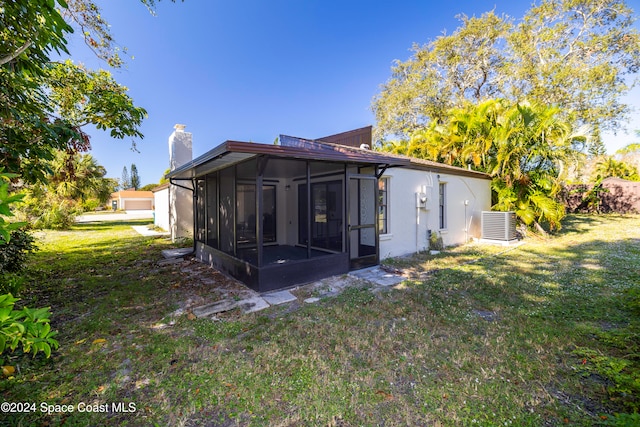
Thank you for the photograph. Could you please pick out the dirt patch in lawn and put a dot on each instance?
(199, 284)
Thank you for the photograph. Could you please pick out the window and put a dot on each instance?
(383, 205)
(442, 207)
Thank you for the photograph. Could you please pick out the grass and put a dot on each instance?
(545, 334)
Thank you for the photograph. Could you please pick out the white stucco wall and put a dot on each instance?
(161, 212)
(180, 199)
(408, 225)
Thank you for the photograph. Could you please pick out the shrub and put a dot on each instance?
(435, 241)
(44, 210)
(91, 205)
(14, 253)
(11, 283)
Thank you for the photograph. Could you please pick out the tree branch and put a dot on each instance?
(17, 53)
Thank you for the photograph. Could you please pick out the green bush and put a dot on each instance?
(59, 216)
(91, 205)
(14, 253)
(435, 241)
(11, 283)
(43, 210)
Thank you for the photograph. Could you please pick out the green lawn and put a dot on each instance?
(544, 334)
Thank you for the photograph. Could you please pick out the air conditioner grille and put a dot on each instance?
(499, 225)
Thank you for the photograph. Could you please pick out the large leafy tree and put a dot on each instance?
(578, 54)
(44, 104)
(525, 147)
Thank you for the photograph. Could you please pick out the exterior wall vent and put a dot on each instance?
(499, 226)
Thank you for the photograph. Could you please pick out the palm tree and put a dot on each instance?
(525, 147)
(612, 167)
(79, 177)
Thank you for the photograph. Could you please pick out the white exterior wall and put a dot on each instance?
(180, 199)
(161, 212)
(408, 225)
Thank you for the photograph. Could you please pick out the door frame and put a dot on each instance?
(357, 262)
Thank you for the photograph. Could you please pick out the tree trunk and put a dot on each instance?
(539, 228)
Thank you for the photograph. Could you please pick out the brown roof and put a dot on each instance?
(343, 147)
(415, 163)
(231, 152)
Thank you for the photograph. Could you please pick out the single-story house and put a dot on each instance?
(278, 215)
(131, 200)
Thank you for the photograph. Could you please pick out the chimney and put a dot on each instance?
(180, 198)
(180, 147)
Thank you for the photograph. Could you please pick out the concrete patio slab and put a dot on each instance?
(279, 297)
(215, 308)
(176, 253)
(253, 304)
(378, 276)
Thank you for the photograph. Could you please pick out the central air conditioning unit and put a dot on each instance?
(499, 226)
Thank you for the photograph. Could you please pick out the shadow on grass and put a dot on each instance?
(572, 287)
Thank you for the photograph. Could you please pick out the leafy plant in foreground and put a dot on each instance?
(28, 328)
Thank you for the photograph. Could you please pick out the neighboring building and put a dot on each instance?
(161, 203)
(129, 200)
(615, 195)
(325, 207)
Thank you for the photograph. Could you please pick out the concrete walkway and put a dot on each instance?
(328, 287)
(250, 301)
(115, 216)
(145, 231)
(378, 276)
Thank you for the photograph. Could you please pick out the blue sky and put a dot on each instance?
(250, 70)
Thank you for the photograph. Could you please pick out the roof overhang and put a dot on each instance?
(232, 152)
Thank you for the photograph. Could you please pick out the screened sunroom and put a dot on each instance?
(274, 216)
